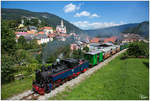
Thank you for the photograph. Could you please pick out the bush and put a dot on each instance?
(24, 57)
(30, 68)
(7, 69)
(86, 49)
(78, 54)
(138, 49)
(124, 56)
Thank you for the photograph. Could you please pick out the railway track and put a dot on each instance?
(30, 95)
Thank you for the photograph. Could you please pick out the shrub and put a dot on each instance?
(86, 49)
(124, 56)
(138, 49)
(30, 68)
(7, 69)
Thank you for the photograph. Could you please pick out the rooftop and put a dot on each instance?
(111, 39)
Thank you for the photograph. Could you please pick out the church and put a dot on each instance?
(61, 28)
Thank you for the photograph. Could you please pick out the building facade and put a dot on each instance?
(61, 28)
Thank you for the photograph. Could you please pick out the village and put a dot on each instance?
(47, 34)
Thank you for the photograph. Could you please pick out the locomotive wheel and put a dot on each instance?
(47, 89)
(33, 89)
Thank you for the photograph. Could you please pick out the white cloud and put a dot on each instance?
(86, 13)
(83, 13)
(95, 25)
(95, 15)
(71, 7)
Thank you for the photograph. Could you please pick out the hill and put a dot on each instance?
(49, 19)
(137, 28)
(53, 20)
(141, 29)
(107, 32)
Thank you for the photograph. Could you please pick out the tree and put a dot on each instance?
(39, 57)
(8, 38)
(24, 57)
(86, 49)
(33, 44)
(7, 69)
(34, 22)
(138, 49)
(22, 43)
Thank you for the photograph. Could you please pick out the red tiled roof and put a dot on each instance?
(51, 35)
(31, 32)
(111, 39)
(95, 40)
(46, 28)
(17, 37)
(65, 35)
(21, 33)
(41, 32)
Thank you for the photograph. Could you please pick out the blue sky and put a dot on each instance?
(89, 14)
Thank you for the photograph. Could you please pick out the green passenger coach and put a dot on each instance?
(94, 57)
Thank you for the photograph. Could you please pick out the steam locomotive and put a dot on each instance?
(52, 76)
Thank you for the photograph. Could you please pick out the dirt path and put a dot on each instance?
(70, 83)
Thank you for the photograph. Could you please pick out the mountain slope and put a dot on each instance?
(142, 29)
(106, 32)
(53, 20)
(50, 19)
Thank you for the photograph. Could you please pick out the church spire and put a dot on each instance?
(62, 23)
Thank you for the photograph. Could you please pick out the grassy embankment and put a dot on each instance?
(16, 87)
(119, 80)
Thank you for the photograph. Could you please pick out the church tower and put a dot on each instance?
(61, 28)
(62, 23)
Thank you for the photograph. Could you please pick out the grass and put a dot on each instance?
(16, 87)
(119, 80)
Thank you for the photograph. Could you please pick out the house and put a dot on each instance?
(47, 30)
(21, 26)
(52, 35)
(32, 31)
(93, 46)
(112, 39)
(63, 35)
(21, 33)
(29, 37)
(95, 40)
(17, 37)
(42, 38)
(41, 32)
(32, 28)
(131, 37)
(127, 40)
(74, 47)
(61, 38)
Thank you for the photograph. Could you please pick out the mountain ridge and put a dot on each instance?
(137, 28)
(54, 20)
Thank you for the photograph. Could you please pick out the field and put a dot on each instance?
(119, 80)
(16, 87)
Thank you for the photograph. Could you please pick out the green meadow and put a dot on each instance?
(119, 80)
(16, 87)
